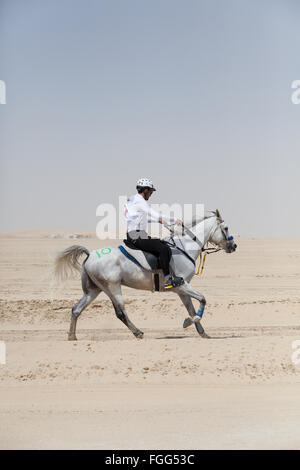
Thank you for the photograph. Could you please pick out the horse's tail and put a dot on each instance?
(66, 261)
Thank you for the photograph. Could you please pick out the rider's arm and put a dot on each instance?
(154, 216)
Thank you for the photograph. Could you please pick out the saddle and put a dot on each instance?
(148, 260)
(145, 260)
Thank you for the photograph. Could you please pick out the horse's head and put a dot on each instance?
(220, 235)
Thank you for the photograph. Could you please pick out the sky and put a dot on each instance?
(194, 94)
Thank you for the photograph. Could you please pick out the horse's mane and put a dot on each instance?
(196, 219)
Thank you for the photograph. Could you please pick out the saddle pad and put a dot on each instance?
(144, 260)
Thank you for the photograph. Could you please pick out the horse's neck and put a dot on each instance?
(202, 232)
(204, 228)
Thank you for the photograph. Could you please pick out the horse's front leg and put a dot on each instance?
(186, 293)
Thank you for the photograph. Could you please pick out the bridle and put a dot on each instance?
(219, 225)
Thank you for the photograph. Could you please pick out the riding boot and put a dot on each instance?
(177, 281)
(173, 281)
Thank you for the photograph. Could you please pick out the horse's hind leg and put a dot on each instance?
(115, 295)
(90, 291)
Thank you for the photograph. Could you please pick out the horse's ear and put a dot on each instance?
(218, 213)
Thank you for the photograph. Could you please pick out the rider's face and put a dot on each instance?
(148, 193)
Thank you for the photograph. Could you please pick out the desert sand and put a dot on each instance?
(172, 390)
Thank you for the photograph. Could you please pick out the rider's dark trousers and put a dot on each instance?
(154, 245)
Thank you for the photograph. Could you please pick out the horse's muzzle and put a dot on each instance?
(231, 246)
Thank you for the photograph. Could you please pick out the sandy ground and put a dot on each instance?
(172, 390)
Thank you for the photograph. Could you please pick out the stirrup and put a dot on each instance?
(168, 283)
(174, 281)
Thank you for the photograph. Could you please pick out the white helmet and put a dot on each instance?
(145, 183)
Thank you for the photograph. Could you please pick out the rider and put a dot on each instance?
(138, 213)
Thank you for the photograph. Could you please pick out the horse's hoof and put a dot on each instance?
(187, 322)
(71, 337)
(204, 335)
(199, 328)
(139, 334)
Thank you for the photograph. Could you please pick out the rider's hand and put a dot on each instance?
(178, 222)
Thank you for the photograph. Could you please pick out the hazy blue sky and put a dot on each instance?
(194, 94)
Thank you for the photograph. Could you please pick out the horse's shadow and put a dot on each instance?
(173, 337)
(195, 336)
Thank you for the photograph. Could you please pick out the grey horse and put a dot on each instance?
(108, 269)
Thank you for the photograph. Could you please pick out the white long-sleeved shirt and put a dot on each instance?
(138, 213)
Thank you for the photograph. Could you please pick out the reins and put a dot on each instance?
(180, 249)
(207, 251)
